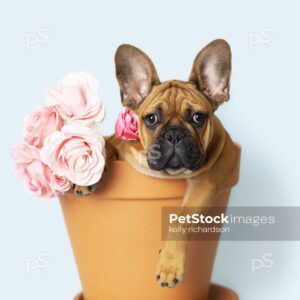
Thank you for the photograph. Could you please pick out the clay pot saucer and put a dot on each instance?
(217, 292)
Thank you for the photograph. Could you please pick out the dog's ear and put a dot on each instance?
(136, 75)
(211, 71)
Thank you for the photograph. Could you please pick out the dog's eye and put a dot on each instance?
(151, 120)
(198, 118)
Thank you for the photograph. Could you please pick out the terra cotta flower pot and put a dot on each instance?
(116, 234)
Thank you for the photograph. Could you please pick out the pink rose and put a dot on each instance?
(60, 184)
(35, 174)
(75, 152)
(39, 124)
(126, 126)
(76, 99)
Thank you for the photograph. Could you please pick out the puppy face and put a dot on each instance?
(175, 117)
(175, 126)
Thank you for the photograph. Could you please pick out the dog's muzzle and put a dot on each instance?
(175, 148)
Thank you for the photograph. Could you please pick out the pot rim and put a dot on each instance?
(122, 182)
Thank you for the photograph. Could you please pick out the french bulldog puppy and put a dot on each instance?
(180, 136)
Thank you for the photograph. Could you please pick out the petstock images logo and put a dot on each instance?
(234, 224)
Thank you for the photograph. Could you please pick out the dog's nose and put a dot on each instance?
(174, 136)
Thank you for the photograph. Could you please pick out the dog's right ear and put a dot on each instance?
(136, 75)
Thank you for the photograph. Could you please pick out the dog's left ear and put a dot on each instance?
(211, 71)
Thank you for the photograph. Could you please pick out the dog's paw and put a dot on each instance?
(84, 190)
(171, 267)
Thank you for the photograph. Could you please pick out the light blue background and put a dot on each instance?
(263, 116)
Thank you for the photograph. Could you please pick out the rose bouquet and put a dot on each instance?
(62, 145)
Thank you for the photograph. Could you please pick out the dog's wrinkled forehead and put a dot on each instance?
(175, 98)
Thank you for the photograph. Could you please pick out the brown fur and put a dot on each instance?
(207, 88)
